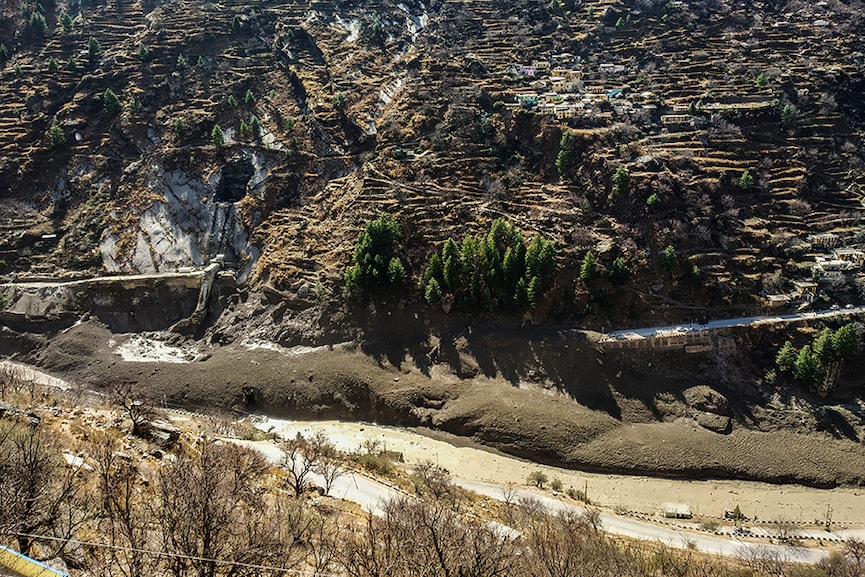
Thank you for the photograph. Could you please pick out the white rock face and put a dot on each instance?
(185, 226)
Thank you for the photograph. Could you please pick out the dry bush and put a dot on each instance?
(442, 544)
(39, 493)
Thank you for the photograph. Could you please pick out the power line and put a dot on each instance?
(176, 555)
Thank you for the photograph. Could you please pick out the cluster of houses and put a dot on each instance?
(555, 88)
(834, 265)
(837, 262)
(560, 92)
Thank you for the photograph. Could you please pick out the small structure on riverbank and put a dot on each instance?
(677, 511)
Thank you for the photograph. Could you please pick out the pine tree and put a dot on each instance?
(589, 267)
(249, 98)
(38, 23)
(66, 22)
(824, 346)
(746, 181)
(786, 357)
(565, 146)
(180, 126)
(450, 264)
(619, 270)
(621, 180)
(4, 54)
(669, 259)
(376, 267)
(56, 134)
(110, 102)
(217, 137)
(806, 367)
(93, 49)
(71, 65)
(433, 292)
(52, 66)
(786, 116)
(846, 341)
(396, 274)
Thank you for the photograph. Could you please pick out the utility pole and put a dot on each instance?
(828, 517)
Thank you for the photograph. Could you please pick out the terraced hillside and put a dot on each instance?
(447, 115)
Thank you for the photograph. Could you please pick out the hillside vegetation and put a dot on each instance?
(87, 492)
(151, 136)
(429, 214)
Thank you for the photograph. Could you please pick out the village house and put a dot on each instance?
(807, 290)
(595, 93)
(823, 240)
(567, 74)
(677, 511)
(529, 71)
(607, 68)
(551, 98)
(676, 119)
(561, 84)
(833, 269)
(530, 99)
(540, 65)
(775, 301)
(850, 255)
(565, 111)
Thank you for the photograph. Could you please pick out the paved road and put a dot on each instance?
(669, 330)
(354, 487)
(669, 536)
(370, 495)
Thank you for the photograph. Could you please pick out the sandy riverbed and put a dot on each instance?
(635, 493)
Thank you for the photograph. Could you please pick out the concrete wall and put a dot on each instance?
(125, 304)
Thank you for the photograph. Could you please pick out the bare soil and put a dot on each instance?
(541, 394)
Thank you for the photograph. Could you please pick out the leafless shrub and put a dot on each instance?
(434, 482)
(800, 207)
(40, 495)
(762, 560)
(137, 407)
(11, 380)
(442, 543)
(302, 457)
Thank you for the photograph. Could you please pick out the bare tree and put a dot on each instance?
(330, 468)
(11, 380)
(302, 457)
(202, 503)
(125, 516)
(568, 543)
(40, 495)
(442, 545)
(849, 562)
(137, 407)
(430, 480)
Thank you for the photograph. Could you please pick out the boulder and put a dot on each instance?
(162, 433)
(715, 423)
(704, 398)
